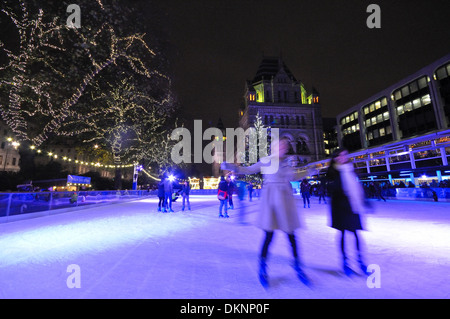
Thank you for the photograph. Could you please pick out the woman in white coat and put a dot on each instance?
(278, 206)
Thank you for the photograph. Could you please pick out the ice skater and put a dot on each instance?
(161, 195)
(168, 190)
(222, 195)
(185, 190)
(278, 207)
(231, 187)
(305, 189)
(347, 202)
(322, 192)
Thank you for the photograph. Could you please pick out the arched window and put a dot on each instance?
(302, 147)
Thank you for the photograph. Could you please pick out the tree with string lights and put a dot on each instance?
(54, 80)
(132, 123)
(53, 65)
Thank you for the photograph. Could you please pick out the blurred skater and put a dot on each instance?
(347, 202)
(231, 188)
(241, 187)
(222, 195)
(322, 192)
(278, 207)
(305, 189)
(161, 194)
(185, 190)
(168, 190)
(250, 191)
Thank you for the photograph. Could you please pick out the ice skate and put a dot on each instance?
(363, 266)
(300, 274)
(347, 270)
(263, 277)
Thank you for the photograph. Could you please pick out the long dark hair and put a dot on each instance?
(332, 171)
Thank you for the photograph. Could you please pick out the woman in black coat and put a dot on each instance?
(347, 201)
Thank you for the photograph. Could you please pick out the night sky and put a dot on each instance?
(217, 45)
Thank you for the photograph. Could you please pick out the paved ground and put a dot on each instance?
(129, 250)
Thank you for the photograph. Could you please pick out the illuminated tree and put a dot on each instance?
(44, 78)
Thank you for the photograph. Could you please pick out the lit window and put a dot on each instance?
(374, 120)
(397, 95)
(416, 103)
(366, 110)
(380, 118)
(384, 102)
(368, 123)
(377, 105)
(426, 99)
(400, 110)
(386, 116)
(372, 107)
(408, 107)
(382, 131)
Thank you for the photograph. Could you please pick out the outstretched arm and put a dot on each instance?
(255, 168)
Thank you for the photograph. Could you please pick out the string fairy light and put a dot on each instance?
(36, 36)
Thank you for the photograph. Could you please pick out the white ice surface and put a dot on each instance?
(129, 250)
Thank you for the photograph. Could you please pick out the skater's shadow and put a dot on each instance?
(324, 270)
(278, 281)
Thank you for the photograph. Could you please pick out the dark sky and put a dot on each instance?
(217, 45)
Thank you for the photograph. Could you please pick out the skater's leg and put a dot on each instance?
(296, 264)
(362, 265)
(265, 247)
(347, 269)
(293, 242)
(263, 277)
(220, 207)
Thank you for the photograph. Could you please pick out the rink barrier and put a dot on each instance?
(15, 205)
(428, 194)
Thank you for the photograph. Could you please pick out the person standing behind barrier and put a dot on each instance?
(222, 195)
(347, 201)
(185, 190)
(168, 190)
(161, 194)
(305, 189)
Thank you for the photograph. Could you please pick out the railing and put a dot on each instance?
(12, 204)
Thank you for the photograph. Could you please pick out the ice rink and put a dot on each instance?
(129, 250)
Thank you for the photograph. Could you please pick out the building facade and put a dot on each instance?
(283, 102)
(403, 132)
(9, 150)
